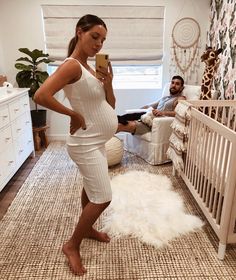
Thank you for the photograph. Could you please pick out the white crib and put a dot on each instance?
(210, 165)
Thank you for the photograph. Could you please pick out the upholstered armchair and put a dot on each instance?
(152, 146)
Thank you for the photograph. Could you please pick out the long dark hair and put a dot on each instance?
(85, 23)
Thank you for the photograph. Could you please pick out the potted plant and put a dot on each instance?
(31, 76)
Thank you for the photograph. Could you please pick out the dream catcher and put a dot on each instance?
(185, 49)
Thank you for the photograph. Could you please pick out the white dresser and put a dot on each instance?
(16, 139)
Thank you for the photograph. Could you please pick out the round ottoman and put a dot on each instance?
(114, 149)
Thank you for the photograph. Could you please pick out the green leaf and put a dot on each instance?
(41, 76)
(23, 79)
(21, 66)
(39, 53)
(25, 59)
(26, 51)
(35, 54)
(45, 60)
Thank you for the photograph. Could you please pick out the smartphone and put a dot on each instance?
(102, 61)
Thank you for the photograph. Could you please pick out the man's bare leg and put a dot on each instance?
(93, 234)
(130, 127)
(71, 248)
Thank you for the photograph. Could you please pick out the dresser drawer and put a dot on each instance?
(18, 127)
(15, 109)
(6, 138)
(27, 122)
(4, 115)
(9, 162)
(23, 148)
(25, 103)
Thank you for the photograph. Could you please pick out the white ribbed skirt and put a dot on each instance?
(93, 167)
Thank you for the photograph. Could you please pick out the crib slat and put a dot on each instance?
(192, 149)
(234, 119)
(217, 171)
(194, 174)
(223, 115)
(211, 160)
(223, 171)
(229, 116)
(217, 113)
(198, 150)
(213, 176)
(203, 160)
(234, 123)
(188, 161)
(206, 170)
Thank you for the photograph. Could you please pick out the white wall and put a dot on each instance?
(23, 27)
(2, 65)
(2, 60)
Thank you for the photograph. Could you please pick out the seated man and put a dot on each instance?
(163, 107)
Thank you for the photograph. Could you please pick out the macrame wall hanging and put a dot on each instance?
(185, 59)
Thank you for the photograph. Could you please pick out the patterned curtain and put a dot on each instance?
(222, 34)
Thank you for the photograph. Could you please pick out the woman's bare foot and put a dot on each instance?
(74, 259)
(99, 236)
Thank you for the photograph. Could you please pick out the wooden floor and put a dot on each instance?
(9, 192)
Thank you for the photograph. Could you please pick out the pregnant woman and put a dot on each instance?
(93, 122)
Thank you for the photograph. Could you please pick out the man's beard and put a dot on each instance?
(174, 91)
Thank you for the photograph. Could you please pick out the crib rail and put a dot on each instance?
(209, 165)
(223, 111)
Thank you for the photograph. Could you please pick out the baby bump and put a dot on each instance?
(98, 131)
(107, 124)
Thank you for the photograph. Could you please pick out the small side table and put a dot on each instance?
(40, 138)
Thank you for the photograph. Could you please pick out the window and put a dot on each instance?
(132, 76)
(137, 76)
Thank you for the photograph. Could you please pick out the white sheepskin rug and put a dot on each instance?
(145, 206)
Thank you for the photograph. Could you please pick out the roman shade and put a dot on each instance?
(135, 33)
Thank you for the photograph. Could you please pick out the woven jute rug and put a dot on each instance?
(47, 207)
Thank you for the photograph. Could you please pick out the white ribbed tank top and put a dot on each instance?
(87, 97)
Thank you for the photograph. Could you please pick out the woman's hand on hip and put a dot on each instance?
(76, 122)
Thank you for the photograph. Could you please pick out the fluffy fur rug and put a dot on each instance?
(145, 206)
